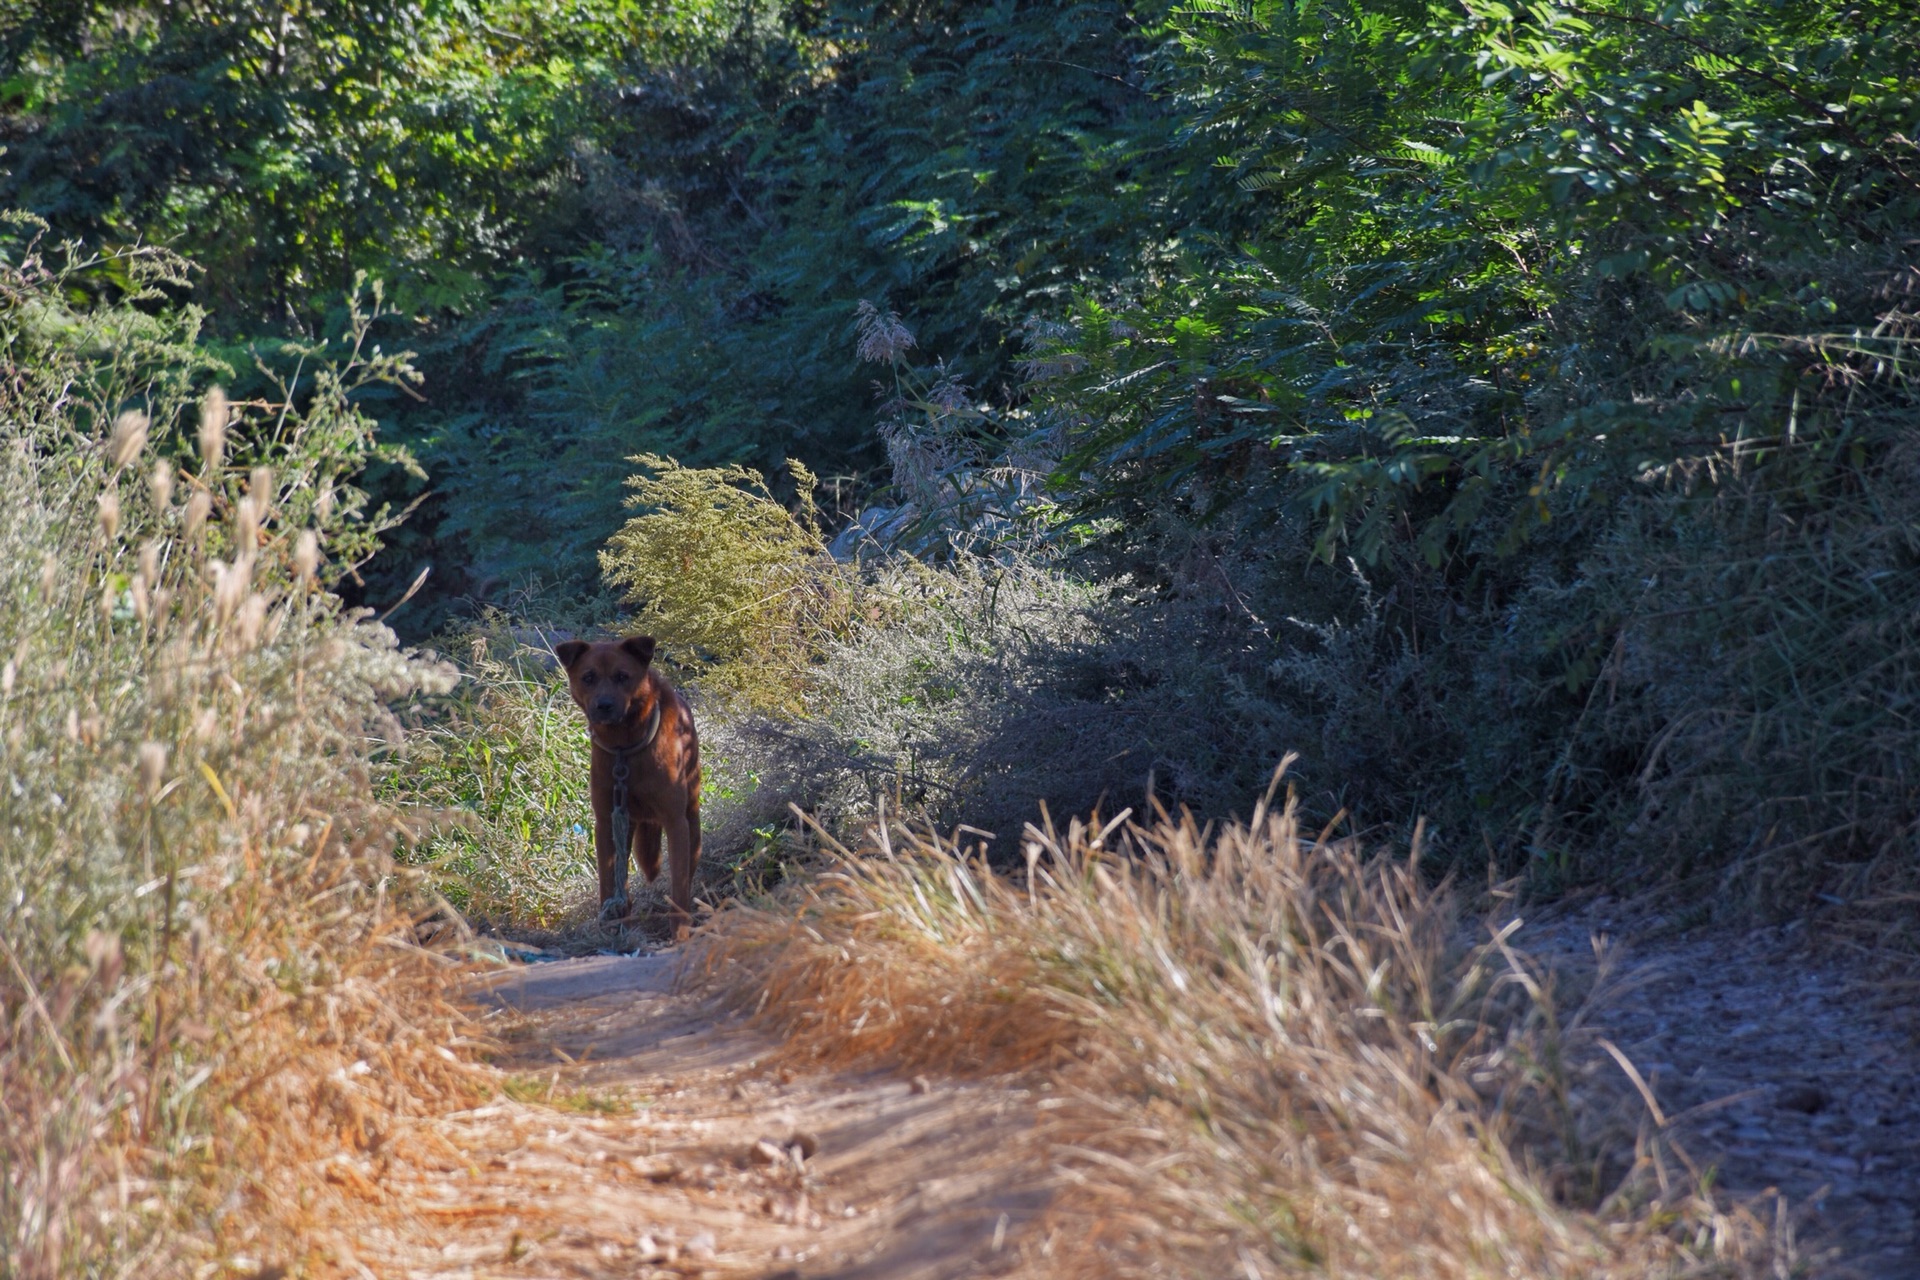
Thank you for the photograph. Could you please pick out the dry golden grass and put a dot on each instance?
(1279, 1056)
(211, 1005)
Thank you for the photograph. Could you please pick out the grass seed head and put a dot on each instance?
(260, 487)
(153, 768)
(252, 619)
(150, 561)
(128, 439)
(231, 585)
(199, 507)
(8, 675)
(214, 413)
(160, 484)
(105, 957)
(883, 339)
(110, 514)
(246, 523)
(306, 556)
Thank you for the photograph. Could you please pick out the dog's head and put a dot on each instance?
(605, 677)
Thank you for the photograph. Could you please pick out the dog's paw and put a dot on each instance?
(614, 909)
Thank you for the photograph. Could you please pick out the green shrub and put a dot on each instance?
(1586, 335)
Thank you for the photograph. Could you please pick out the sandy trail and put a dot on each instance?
(647, 1137)
(694, 1173)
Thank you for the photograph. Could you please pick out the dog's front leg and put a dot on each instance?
(646, 849)
(609, 854)
(680, 856)
(603, 853)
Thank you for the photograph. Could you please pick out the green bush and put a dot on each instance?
(1584, 333)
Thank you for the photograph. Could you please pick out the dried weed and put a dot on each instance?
(215, 1028)
(1280, 1055)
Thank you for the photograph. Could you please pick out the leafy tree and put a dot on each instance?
(287, 145)
(972, 165)
(1510, 258)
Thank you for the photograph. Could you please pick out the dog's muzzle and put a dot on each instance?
(606, 711)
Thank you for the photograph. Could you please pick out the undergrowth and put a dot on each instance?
(214, 1024)
(500, 769)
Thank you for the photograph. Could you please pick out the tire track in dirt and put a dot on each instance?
(721, 1167)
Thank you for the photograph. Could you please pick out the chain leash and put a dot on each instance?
(622, 820)
(622, 825)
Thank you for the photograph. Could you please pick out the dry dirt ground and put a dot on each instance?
(1780, 1066)
(644, 1136)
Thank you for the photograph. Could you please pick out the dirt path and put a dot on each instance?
(644, 1137)
(660, 1147)
(1779, 1068)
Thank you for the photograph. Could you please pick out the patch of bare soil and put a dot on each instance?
(642, 1138)
(1778, 1068)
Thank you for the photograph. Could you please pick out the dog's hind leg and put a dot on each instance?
(646, 850)
(693, 827)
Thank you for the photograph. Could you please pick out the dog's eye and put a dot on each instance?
(621, 677)
(592, 677)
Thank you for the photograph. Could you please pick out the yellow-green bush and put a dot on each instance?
(735, 585)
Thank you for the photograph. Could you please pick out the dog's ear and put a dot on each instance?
(569, 651)
(640, 648)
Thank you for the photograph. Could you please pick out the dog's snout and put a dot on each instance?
(606, 708)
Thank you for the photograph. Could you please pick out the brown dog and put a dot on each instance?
(646, 768)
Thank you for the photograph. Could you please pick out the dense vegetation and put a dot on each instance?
(1508, 406)
(202, 938)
